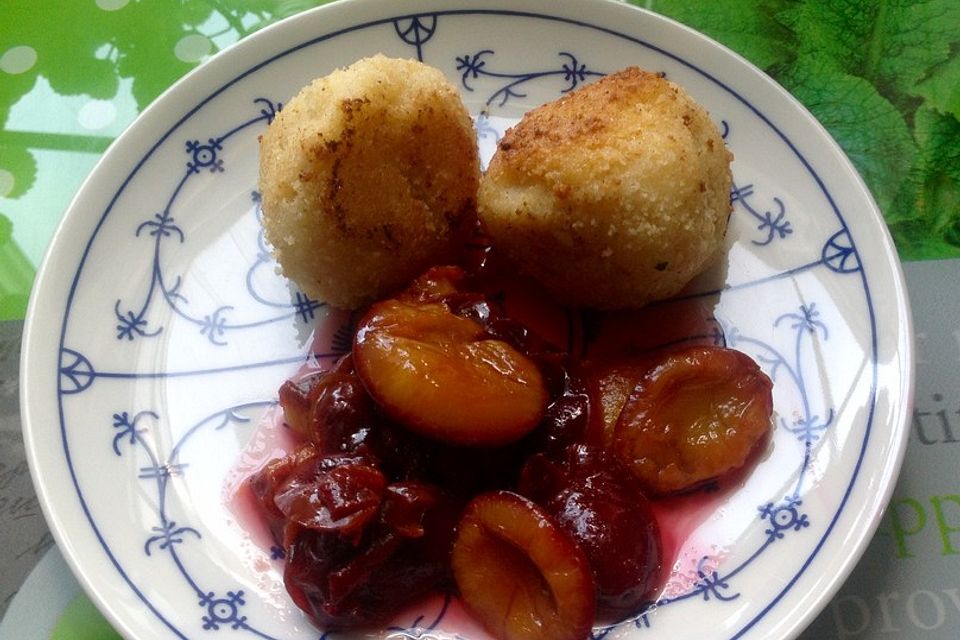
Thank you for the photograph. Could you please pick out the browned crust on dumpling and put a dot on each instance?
(368, 176)
(614, 195)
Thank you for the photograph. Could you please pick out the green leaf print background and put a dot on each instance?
(884, 79)
(882, 76)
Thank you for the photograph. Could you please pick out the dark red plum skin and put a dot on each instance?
(598, 503)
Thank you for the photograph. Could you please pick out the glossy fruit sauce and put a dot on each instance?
(478, 433)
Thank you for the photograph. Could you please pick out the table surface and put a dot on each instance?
(883, 77)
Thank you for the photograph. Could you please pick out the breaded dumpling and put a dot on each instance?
(368, 176)
(614, 195)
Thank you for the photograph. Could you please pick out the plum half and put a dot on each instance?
(694, 416)
(441, 375)
(522, 575)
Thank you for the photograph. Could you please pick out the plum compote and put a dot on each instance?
(461, 448)
(350, 536)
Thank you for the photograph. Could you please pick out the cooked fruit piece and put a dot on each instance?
(609, 385)
(264, 483)
(436, 284)
(326, 406)
(567, 417)
(601, 506)
(297, 398)
(332, 493)
(522, 575)
(694, 416)
(680, 322)
(442, 376)
(550, 326)
(344, 583)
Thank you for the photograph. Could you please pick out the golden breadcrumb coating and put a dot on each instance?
(616, 194)
(368, 176)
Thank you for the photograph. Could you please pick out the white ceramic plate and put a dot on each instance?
(159, 332)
